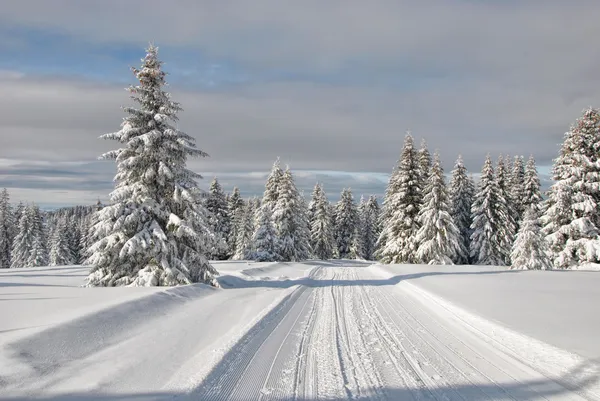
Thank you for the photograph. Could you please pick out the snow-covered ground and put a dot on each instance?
(303, 331)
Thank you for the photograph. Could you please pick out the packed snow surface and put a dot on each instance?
(340, 330)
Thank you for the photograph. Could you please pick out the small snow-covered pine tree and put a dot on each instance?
(235, 207)
(398, 239)
(289, 222)
(220, 221)
(509, 223)
(489, 221)
(439, 239)
(370, 217)
(305, 230)
(38, 255)
(60, 249)
(29, 246)
(531, 195)
(517, 188)
(245, 230)
(557, 219)
(359, 245)
(271, 193)
(425, 162)
(345, 224)
(530, 250)
(6, 229)
(264, 239)
(321, 226)
(461, 194)
(155, 231)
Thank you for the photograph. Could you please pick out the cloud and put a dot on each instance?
(327, 86)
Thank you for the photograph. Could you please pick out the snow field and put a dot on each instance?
(337, 330)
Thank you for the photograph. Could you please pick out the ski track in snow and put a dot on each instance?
(341, 338)
(344, 332)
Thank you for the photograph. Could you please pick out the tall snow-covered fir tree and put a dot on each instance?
(61, 253)
(439, 239)
(220, 221)
(155, 230)
(29, 246)
(488, 243)
(517, 188)
(398, 239)
(289, 223)
(321, 225)
(511, 212)
(346, 216)
(531, 195)
(264, 239)
(235, 206)
(574, 233)
(530, 250)
(6, 229)
(461, 192)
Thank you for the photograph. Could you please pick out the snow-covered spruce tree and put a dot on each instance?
(530, 250)
(264, 240)
(425, 162)
(38, 255)
(245, 230)
(235, 206)
(359, 244)
(23, 241)
(439, 239)
(321, 226)
(74, 234)
(517, 187)
(461, 194)
(577, 170)
(220, 220)
(155, 231)
(29, 246)
(6, 229)
(532, 194)
(61, 253)
(18, 212)
(271, 193)
(509, 222)
(488, 244)
(288, 221)
(370, 216)
(345, 224)
(556, 220)
(305, 230)
(88, 237)
(398, 240)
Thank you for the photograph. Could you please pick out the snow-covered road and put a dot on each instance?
(340, 331)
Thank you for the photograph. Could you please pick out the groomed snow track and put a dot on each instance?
(341, 330)
(347, 334)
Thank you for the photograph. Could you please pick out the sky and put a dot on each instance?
(330, 87)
